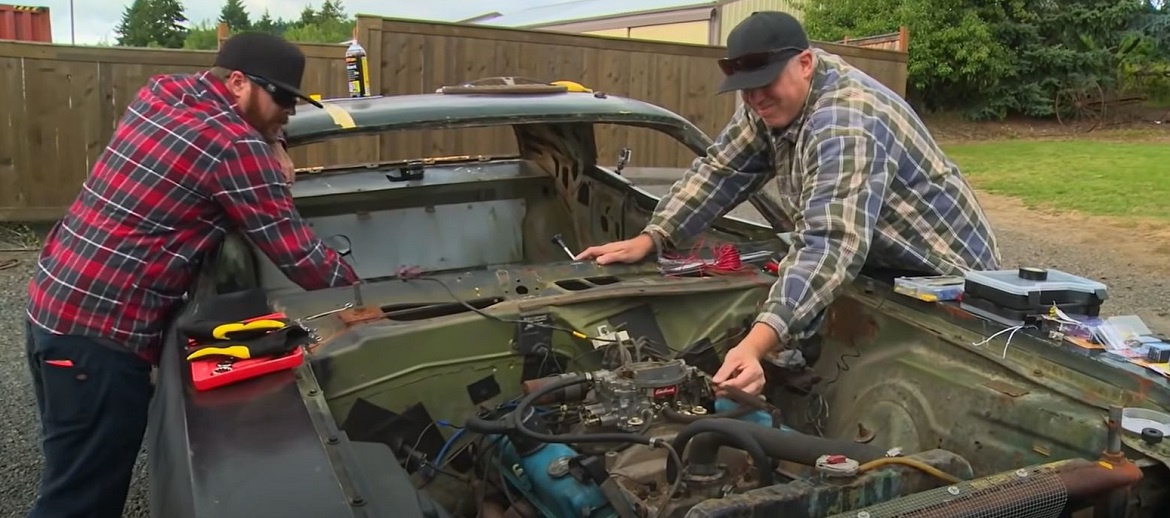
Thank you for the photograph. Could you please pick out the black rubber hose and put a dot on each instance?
(788, 445)
(737, 436)
(488, 427)
(530, 399)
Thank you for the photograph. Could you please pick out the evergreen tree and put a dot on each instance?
(169, 17)
(134, 30)
(266, 24)
(152, 23)
(308, 15)
(331, 10)
(234, 14)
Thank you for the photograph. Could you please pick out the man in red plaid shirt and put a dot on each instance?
(194, 157)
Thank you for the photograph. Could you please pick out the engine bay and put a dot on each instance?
(607, 443)
(597, 401)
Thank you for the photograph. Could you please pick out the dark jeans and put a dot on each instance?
(93, 402)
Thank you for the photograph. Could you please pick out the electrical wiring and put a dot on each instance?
(447, 445)
(818, 407)
(726, 260)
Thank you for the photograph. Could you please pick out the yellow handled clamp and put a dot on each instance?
(222, 331)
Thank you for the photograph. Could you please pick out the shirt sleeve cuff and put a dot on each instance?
(776, 317)
(658, 235)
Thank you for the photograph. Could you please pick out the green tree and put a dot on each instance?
(328, 31)
(235, 15)
(202, 36)
(329, 24)
(134, 30)
(266, 24)
(993, 58)
(954, 52)
(331, 10)
(152, 23)
(308, 15)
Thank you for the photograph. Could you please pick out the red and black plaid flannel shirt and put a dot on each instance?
(182, 169)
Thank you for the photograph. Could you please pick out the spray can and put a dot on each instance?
(357, 69)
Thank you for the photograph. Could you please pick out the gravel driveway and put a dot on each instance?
(1134, 282)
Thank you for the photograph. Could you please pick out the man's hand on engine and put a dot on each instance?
(628, 251)
(741, 366)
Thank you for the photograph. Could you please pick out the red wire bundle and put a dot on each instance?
(727, 260)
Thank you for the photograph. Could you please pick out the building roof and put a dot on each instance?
(566, 11)
(456, 10)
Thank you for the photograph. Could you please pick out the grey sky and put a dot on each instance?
(95, 19)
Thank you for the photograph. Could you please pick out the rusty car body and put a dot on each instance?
(459, 391)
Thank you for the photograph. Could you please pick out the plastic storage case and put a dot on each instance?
(1034, 291)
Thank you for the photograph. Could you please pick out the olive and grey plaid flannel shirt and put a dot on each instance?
(861, 181)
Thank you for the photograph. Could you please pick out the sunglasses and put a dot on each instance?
(755, 60)
(282, 97)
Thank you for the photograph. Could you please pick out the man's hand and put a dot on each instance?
(286, 163)
(628, 251)
(741, 366)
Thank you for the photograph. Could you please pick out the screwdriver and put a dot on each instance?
(560, 241)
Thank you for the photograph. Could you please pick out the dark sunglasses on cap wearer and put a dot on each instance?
(756, 60)
(282, 97)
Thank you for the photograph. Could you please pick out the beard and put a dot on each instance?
(268, 125)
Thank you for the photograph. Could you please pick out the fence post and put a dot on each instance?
(221, 34)
(904, 39)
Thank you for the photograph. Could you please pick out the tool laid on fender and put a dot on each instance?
(267, 335)
(222, 353)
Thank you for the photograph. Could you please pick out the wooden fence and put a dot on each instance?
(61, 103)
(897, 41)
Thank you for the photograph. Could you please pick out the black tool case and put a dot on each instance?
(1033, 291)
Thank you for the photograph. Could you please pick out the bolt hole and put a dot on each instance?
(521, 290)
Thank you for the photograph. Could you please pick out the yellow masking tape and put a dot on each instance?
(339, 115)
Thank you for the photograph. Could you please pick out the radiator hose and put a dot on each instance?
(778, 444)
(731, 436)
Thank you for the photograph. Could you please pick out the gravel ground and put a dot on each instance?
(1134, 282)
(19, 444)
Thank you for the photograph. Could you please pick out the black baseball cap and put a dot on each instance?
(759, 47)
(268, 60)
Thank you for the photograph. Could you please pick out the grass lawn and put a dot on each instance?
(1092, 177)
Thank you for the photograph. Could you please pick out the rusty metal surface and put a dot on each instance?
(814, 497)
(922, 375)
(1043, 491)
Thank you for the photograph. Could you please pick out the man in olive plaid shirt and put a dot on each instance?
(853, 169)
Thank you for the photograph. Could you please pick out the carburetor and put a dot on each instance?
(629, 396)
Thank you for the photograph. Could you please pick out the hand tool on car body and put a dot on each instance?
(275, 343)
(560, 241)
(347, 305)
